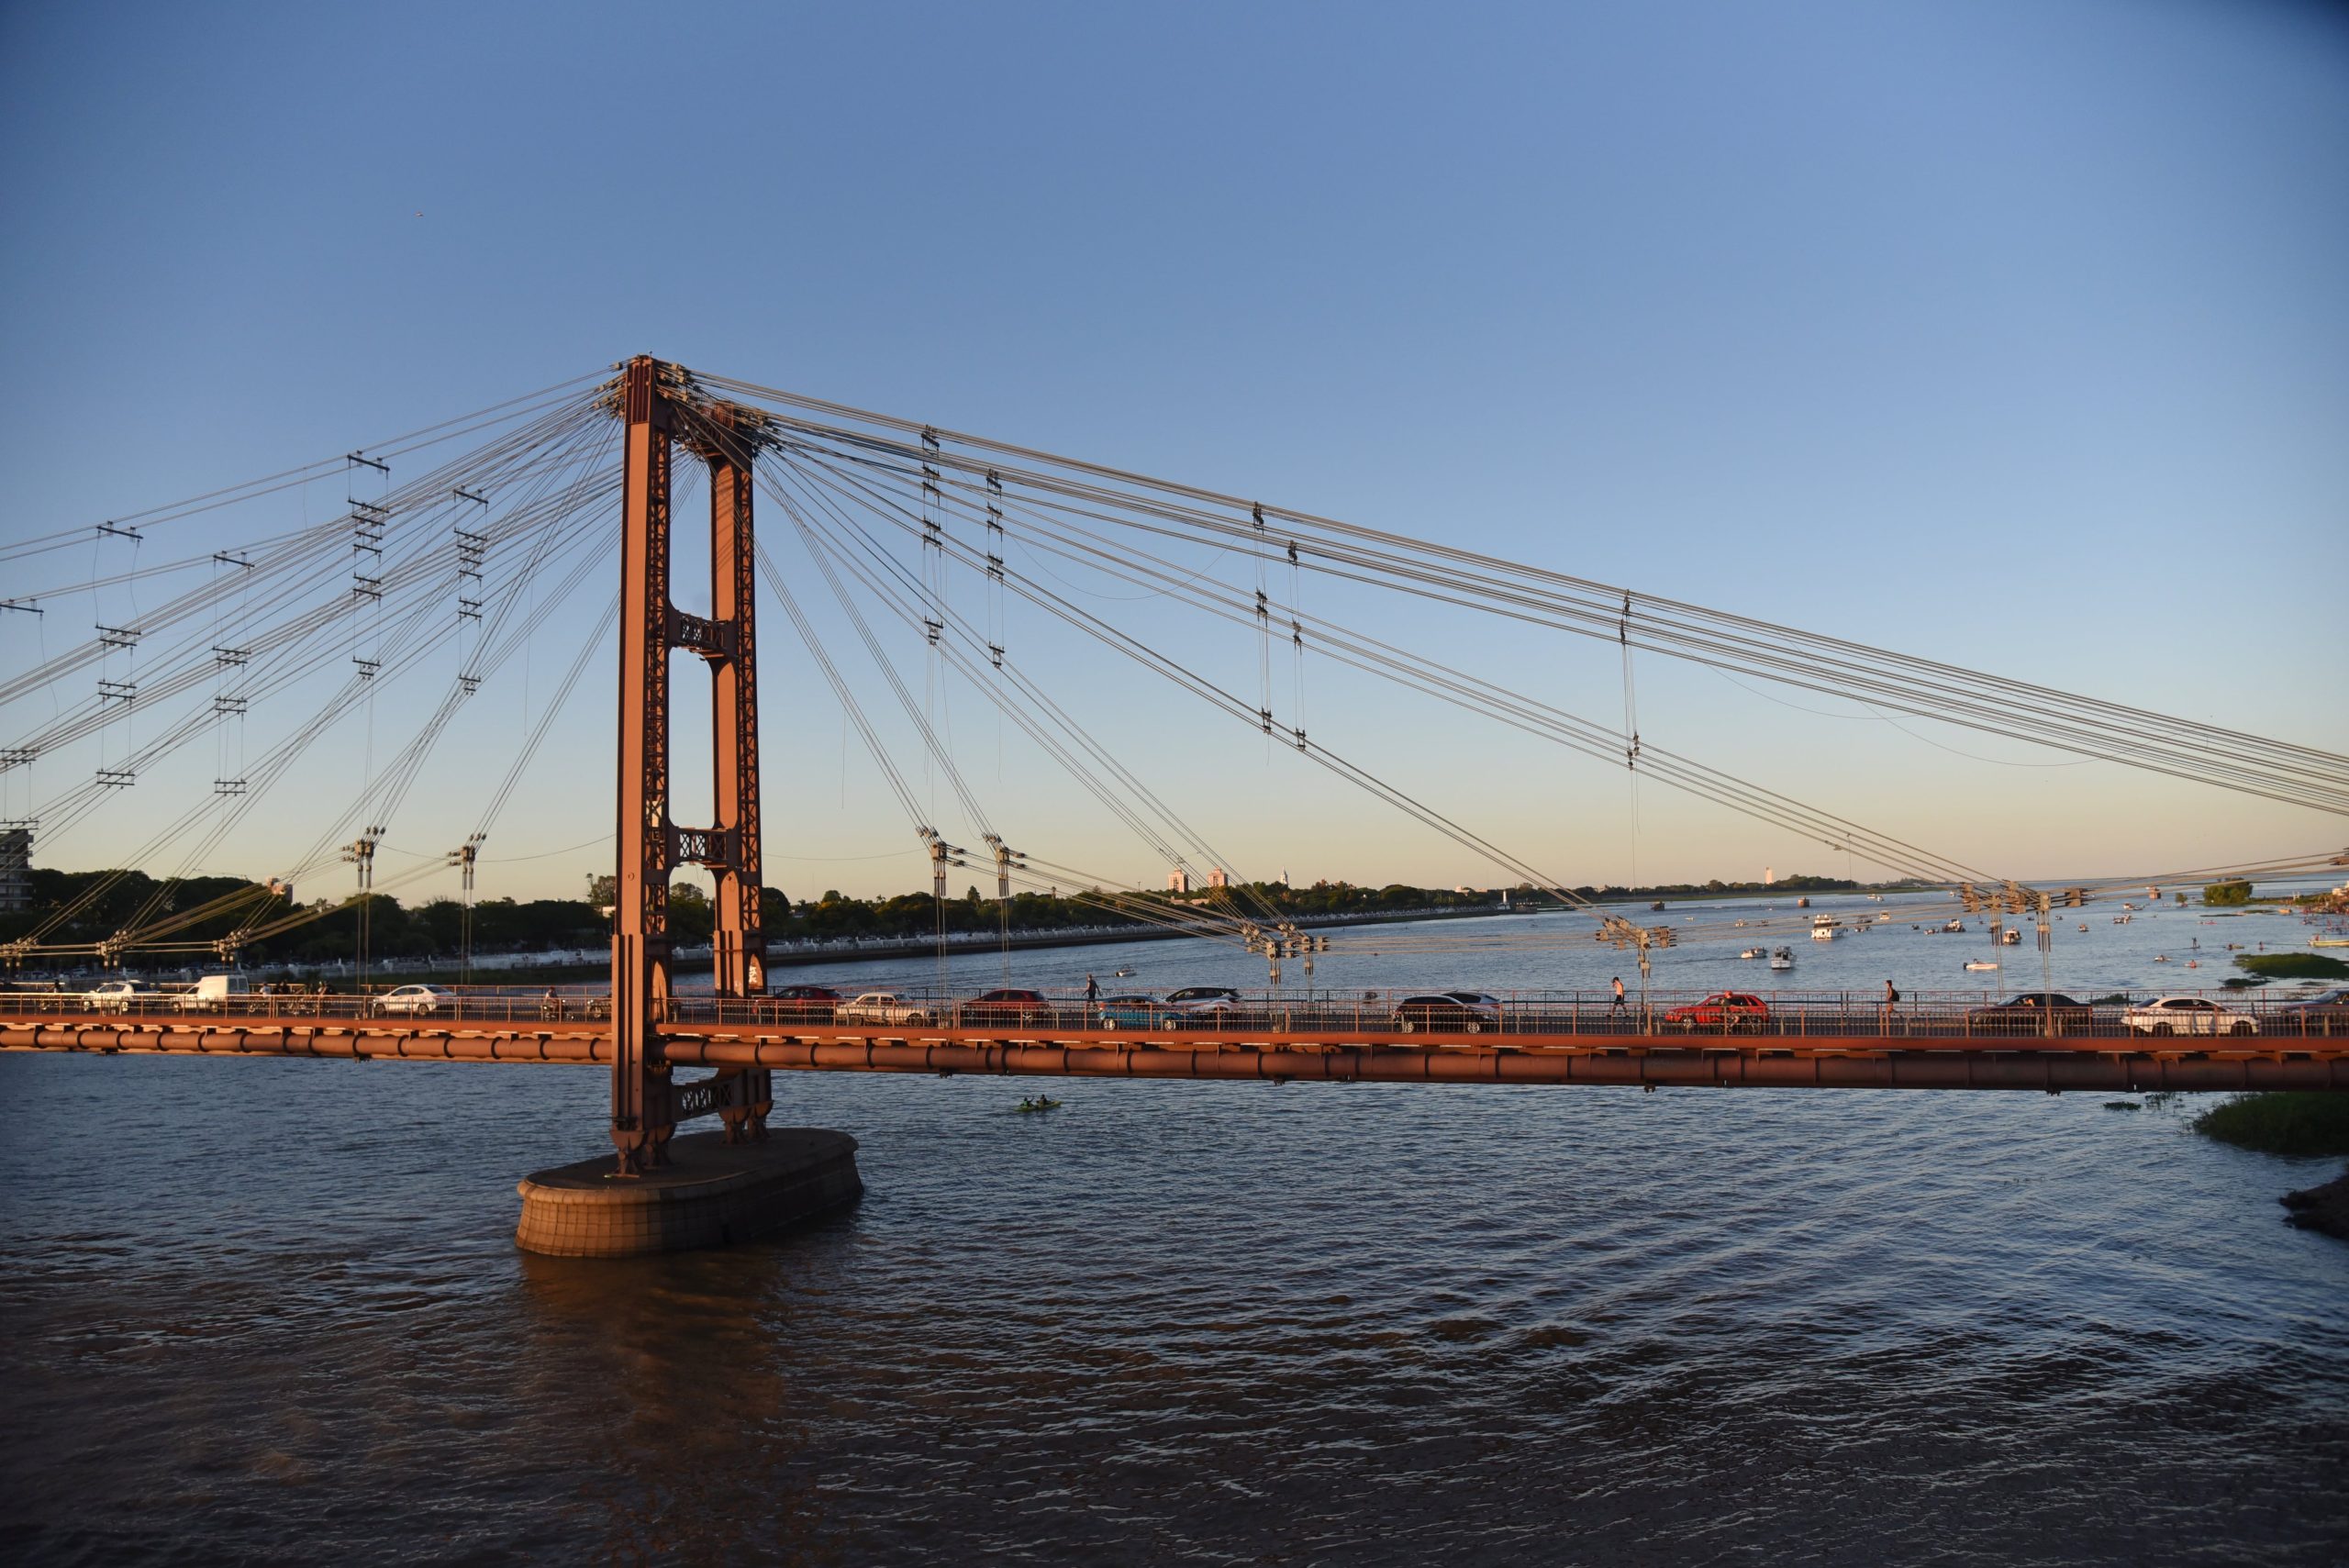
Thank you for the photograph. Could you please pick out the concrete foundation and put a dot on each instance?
(712, 1194)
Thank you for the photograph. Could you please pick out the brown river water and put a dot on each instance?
(270, 1311)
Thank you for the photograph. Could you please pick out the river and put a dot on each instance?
(270, 1311)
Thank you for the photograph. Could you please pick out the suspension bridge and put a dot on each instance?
(927, 542)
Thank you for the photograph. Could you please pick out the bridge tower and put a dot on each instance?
(662, 413)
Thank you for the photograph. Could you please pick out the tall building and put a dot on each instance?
(1768, 876)
(1178, 882)
(16, 868)
(1215, 877)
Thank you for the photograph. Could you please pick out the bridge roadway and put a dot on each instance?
(1856, 1053)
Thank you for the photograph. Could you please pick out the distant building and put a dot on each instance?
(16, 868)
(1768, 876)
(1215, 877)
(1178, 880)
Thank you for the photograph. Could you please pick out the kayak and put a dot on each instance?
(1025, 1106)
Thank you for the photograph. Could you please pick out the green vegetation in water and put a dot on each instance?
(2242, 982)
(2311, 1122)
(2292, 966)
(2236, 892)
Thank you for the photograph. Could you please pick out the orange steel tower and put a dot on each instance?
(661, 412)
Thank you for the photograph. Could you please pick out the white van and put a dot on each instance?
(213, 994)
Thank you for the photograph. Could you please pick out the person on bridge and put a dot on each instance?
(1092, 991)
(1619, 998)
(1891, 1000)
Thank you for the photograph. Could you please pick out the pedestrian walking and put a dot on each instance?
(1618, 998)
(1092, 990)
(1884, 1012)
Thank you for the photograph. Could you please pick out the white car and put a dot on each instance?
(115, 995)
(880, 1007)
(416, 1001)
(2188, 1015)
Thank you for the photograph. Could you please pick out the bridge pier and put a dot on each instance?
(709, 1193)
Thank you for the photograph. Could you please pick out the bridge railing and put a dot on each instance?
(1747, 1017)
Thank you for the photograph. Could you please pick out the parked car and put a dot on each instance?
(1723, 1010)
(1005, 1006)
(881, 1007)
(416, 1001)
(1201, 1006)
(806, 1004)
(2188, 1015)
(1448, 1012)
(1135, 1012)
(2029, 1012)
(213, 994)
(2326, 1013)
(116, 996)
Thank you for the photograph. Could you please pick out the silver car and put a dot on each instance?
(115, 995)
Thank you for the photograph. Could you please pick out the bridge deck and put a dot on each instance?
(1859, 1059)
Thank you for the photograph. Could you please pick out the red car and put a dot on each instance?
(1006, 1007)
(806, 1004)
(1723, 1010)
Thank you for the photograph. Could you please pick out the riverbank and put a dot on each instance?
(2324, 1208)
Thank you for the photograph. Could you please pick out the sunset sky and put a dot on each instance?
(2015, 335)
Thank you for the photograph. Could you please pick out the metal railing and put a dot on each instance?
(1751, 1019)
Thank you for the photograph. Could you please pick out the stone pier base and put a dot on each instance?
(712, 1194)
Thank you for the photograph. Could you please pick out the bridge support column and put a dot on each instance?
(740, 940)
(661, 410)
(641, 1116)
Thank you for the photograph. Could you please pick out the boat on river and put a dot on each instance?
(1783, 959)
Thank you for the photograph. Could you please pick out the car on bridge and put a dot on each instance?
(1201, 1006)
(213, 994)
(2031, 1013)
(806, 1004)
(1722, 1011)
(117, 996)
(1134, 1012)
(888, 1007)
(2188, 1015)
(1447, 1012)
(2326, 1013)
(1007, 1006)
(415, 1001)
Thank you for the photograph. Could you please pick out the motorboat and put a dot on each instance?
(2012, 937)
(1783, 959)
(1954, 926)
(1753, 953)
(1981, 963)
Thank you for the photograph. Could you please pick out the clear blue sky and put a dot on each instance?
(2016, 334)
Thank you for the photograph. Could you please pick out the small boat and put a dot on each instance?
(1752, 952)
(2329, 941)
(1041, 1103)
(2011, 936)
(1121, 974)
(2084, 925)
(1955, 926)
(1783, 959)
(1981, 963)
